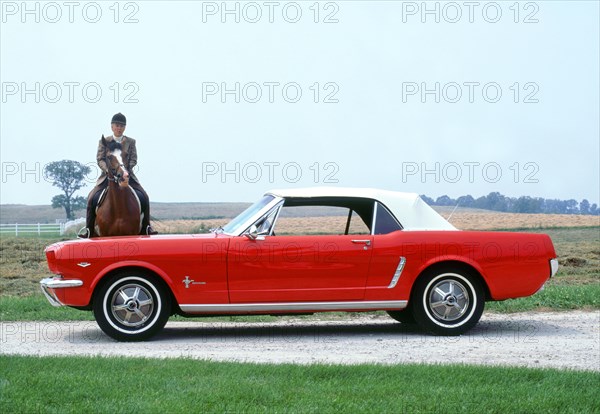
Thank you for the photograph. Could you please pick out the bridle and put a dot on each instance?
(113, 176)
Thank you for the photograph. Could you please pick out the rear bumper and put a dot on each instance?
(553, 270)
(553, 266)
(49, 285)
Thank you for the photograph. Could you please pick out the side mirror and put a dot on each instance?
(252, 232)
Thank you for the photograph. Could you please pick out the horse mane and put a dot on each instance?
(114, 145)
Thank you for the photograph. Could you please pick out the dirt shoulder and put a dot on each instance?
(568, 340)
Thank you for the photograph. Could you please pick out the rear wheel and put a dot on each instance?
(448, 302)
(132, 306)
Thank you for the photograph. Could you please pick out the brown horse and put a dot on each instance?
(119, 210)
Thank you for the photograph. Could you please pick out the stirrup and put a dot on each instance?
(84, 233)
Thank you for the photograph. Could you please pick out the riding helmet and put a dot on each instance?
(119, 119)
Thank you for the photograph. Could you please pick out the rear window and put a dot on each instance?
(384, 221)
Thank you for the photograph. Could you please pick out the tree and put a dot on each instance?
(526, 204)
(428, 200)
(584, 207)
(466, 201)
(572, 207)
(67, 175)
(497, 202)
(445, 201)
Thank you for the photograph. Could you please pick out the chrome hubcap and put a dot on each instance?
(448, 300)
(132, 305)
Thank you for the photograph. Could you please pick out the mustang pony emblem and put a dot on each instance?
(189, 282)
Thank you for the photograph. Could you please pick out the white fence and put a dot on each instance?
(38, 228)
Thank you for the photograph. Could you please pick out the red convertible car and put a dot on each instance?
(303, 251)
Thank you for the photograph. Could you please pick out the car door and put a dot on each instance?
(298, 268)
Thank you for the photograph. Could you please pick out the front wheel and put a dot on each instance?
(132, 307)
(448, 302)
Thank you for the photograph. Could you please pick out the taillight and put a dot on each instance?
(51, 259)
(50, 255)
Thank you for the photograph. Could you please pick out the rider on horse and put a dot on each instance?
(118, 124)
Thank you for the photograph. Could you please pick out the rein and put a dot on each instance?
(116, 178)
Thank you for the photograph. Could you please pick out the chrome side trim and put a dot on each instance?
(553, 266)
(398, 272)
(57, 283)
(293, 306)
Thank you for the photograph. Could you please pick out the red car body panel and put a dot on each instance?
(298, 269)
(221, 269)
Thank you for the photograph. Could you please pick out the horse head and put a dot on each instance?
(114, 161)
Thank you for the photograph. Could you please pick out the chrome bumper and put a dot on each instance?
(57, 283)
(553, 266)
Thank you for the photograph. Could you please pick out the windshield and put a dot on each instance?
(233, 226)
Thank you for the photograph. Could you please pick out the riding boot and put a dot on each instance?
(88, 231)
(90, 218)
(146, 227)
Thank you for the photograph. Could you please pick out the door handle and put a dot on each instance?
(367, 242)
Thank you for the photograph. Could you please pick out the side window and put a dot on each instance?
(384, 222)
(357, 225)
(318, 220)
(263, 225)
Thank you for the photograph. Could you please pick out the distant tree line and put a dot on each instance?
(524, 204)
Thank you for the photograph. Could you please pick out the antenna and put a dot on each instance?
(455, 207)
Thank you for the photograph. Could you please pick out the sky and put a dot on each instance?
(228, 100)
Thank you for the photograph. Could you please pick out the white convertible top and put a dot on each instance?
(409, 208)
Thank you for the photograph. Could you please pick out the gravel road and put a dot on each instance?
(554, 339)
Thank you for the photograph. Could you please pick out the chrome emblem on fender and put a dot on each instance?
(84, 264)
(189, 282)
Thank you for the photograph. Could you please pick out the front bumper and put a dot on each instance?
(49, 284)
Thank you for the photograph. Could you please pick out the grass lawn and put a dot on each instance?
(79, 384)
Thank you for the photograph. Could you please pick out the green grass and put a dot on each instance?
(80, 384)
(553, 297)
(37, 308)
